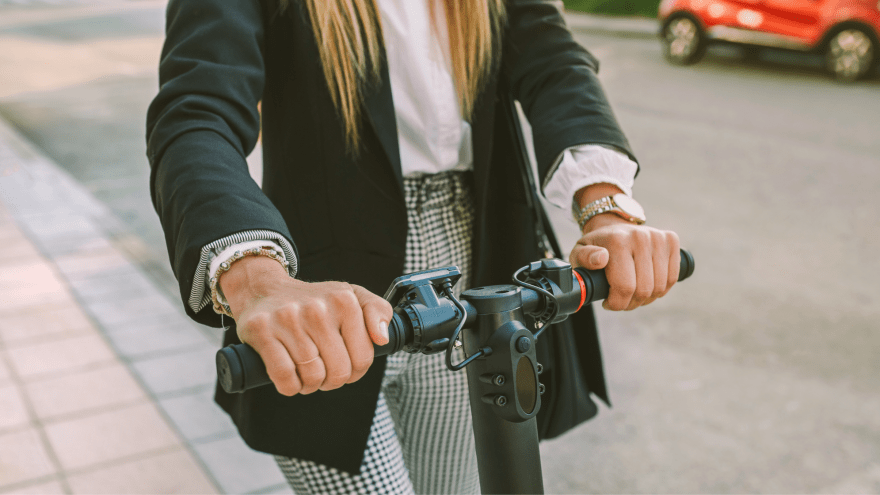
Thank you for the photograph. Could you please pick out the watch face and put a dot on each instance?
(630, 206)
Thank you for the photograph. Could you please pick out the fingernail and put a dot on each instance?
(383, 329)
(596, 258)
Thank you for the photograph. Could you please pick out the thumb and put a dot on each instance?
(377, 314)
(589, 257)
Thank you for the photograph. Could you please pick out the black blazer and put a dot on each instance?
(347, 217)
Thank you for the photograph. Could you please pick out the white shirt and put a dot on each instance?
(431, 133)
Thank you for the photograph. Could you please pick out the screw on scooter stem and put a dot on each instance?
(240, 367)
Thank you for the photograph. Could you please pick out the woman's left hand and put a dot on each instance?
(640, 262)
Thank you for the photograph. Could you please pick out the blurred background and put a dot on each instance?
(761, 374)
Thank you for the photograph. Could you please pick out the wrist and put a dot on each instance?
(593, 192)
(603, 220)
(250, 277)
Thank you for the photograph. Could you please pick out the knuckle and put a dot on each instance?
(380, 305)
(658, 237)
(341, 287)
(617, 305)
(343, 300)
(283, 375)
(641, 237)
(285, 381)
(255, 323)
(288, 389)
(260, 340)
(624, 290)
(361, 364)
(288, 314)
(335, 382)
(312, 379)
(617, 240)
(315, 311)
(643, 293)
(659, 291)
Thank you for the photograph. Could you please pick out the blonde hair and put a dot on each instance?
(349, 38)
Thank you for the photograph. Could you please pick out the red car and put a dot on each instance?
(847, 32)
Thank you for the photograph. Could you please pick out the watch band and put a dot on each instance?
(583, 215)
(620, 204)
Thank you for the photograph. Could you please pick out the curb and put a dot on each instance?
(624, 27)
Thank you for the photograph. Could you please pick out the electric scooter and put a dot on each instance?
(502, 368)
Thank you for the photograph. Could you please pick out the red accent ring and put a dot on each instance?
(583, 289)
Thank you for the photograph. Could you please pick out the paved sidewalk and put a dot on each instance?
(105, 385)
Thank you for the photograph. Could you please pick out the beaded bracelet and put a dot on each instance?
(222, 307)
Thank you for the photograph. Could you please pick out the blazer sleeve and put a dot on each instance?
(554, 78)
(200, 128)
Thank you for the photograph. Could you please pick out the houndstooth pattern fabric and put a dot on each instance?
(421, 440)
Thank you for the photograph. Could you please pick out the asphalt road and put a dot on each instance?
(758, 375)
(761, 373)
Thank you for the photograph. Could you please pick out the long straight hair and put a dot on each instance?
(349, 38)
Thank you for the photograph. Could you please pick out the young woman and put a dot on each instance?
(387, 149)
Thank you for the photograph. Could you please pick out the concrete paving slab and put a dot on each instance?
(29, 459)
(65, 355)
(158, 337)
(282, 489)
(33, 323)
(13, 412)
(41, 488)
(170, 472)
(229, 456)
(14, 250)
(197, 417)
(110, 436)
(4, 370)
(30, 284)
(179, 372)
(75, 274)
(135, 307)
(102, 288)
(91, 390)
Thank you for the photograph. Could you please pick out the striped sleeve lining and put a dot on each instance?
(199, 295)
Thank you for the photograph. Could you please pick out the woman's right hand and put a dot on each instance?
(312, 336)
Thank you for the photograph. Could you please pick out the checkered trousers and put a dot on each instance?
(421, 440)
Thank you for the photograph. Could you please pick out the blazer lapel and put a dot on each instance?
(379, 106)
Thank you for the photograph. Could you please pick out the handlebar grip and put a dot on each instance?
(240, 367)
(596, 285)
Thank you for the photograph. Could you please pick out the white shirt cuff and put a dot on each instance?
(585, 165)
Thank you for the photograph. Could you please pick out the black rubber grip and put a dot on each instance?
(240, 367)
(596, 284)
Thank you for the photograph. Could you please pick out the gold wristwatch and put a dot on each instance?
(620, 204)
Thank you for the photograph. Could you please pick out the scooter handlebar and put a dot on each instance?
(240, 367)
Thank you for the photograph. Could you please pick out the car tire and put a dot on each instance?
(851, 53)
(684, 41)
